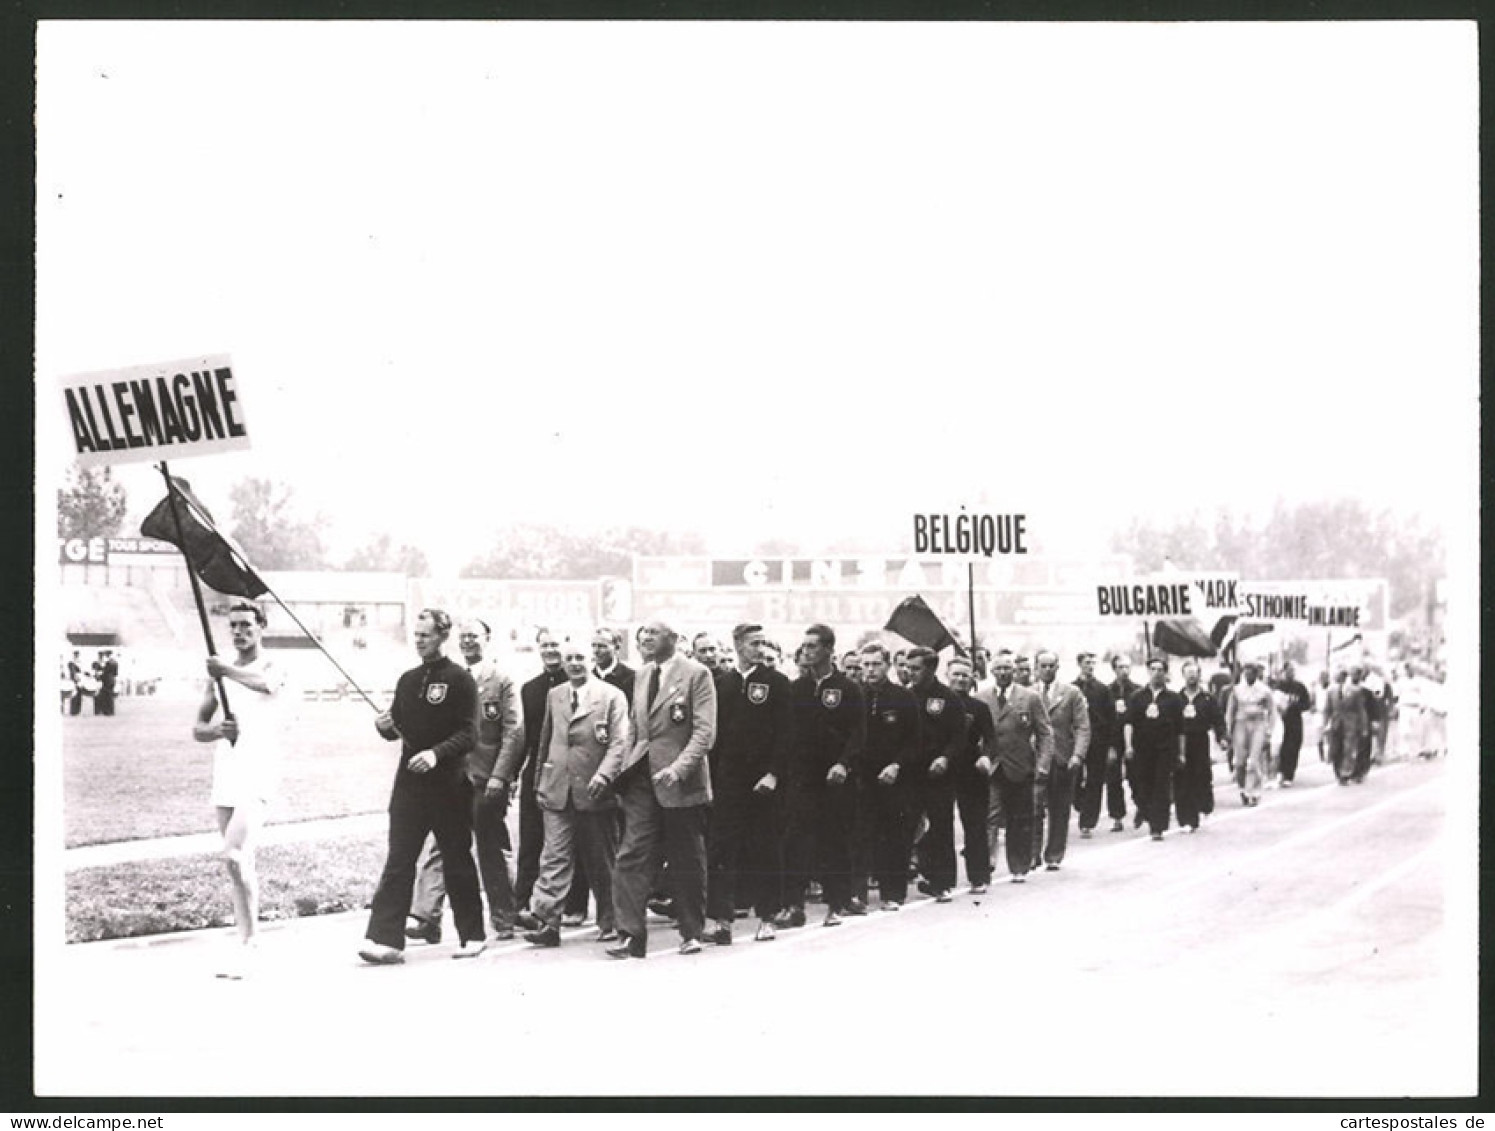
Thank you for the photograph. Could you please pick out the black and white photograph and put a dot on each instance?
(757, 558)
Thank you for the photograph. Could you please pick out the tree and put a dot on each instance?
(266, 526)
(91, 505)
(540, 551)
(1325, 539)
(381, 554)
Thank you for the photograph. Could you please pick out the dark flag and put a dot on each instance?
(214, 557)
(1182, 636)
(915, 622)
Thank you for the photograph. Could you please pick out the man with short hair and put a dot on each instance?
(1298, 701)
(1022, 671)
(1154, 746)
(900, 667)
(605, 663)
(972, 776)
(244, 764)
(499, 740)
(1069, 715)
(1248, 719)
(1022, 753)
(1098, 755)
(851, 665)
(754, 730)
(1193, 787)
(586, 720)
(432, 718)
(532, 699)
(829, 732)
(1121, 689)
(664, 787)
(941, 741)
(705, 651)
(888, 758)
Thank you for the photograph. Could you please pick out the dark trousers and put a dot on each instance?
(973, 803)
(1101, 776)
(934, 799)
(444, 808)
(818, 839)
(892, 829)
(864, 837)
(1017, 801)
(531, 837)
(1059, 796)
(653, 835)
(1344, 744)
(490, 838)
(75, 704)
(1362, 753)
(1152, 784)
(1292, 743)
(1193, 787)
(745, 853)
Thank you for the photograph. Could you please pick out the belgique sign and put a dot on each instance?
(170, 410)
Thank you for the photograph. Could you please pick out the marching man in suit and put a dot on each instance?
(664, 787)
(1022, 753)
(1069, 714)
(586, 720)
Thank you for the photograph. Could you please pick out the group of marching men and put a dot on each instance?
(711, 782)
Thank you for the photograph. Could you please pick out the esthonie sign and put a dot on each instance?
(165, 411)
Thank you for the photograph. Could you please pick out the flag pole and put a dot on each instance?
(971, 606)
(309, 635)
(202, 612)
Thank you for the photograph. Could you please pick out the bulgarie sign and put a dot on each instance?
(165, 411)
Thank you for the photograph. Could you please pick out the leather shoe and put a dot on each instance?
(664, 908)
(831, 919)
(690, 946)
(527, 920)
(1117, 826)
(424, 931)
(854, 907)
(545, 936)
(606, 934)
(722, 936)
(766, 932)
(470, 949)
(572, 919)
(627, 948)
(793, 917)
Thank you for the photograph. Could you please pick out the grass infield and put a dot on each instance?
(191, 892)
(140, 774)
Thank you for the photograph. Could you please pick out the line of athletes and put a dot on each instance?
(697, 787)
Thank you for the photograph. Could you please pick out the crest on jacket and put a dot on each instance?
(677, 712)
(831, 698)
(757, 692)
(490, 711)
(601, 731)
(436, 693)
(934, 705)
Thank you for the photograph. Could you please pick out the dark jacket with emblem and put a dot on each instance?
(1118, 691)
(1158, 731)
(830, 726)
(942, 727)
(1102, 712)
(754, 728)
(980, 738)
(892, 730)
(1205, 718)
(434, 709)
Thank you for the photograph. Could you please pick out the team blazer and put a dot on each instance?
(574, 746)
(677, 731)
(1024, 744)
(1069, 714)
(500, 731)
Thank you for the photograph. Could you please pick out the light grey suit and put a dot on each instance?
(1069, 715)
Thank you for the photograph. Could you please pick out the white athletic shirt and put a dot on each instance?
(247, 770)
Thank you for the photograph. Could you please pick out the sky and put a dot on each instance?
(777, 280)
